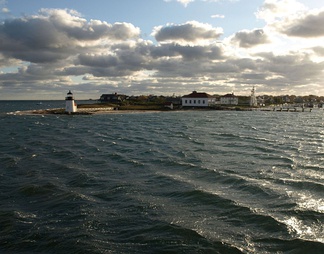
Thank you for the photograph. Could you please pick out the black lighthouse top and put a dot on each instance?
(69, 96)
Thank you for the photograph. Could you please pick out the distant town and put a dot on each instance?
(195, 100)
(202, 99)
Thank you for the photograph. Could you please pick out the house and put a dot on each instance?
(229, 99)
(112, 98)
(196, 99)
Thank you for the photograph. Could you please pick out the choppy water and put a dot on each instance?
(172, 182)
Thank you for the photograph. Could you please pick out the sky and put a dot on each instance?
(160, 47)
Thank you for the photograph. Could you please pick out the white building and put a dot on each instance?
(70, 105)
(196, 99)
(229, 99)
(253, 99)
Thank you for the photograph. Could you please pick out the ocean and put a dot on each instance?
(161, 182)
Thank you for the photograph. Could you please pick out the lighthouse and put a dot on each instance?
(70, 105)
(253, 99)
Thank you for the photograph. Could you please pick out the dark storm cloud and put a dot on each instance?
(247, 39)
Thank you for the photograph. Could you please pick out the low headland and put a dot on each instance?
(103, 108)
(119, 103)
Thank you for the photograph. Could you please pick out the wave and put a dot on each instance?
(211, 182)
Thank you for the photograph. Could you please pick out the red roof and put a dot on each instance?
(194, 94)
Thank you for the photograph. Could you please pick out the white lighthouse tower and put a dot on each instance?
(70, 105)
(253, 100)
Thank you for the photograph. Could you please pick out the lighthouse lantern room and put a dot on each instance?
(70, 105)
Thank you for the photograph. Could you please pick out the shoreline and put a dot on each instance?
(82, 112)
(109, 110)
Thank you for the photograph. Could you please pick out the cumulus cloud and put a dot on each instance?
(311, 25)
(319, 50)
(276, 10)
(292, 18)
(53, 35)
(291, 72)
(183, 2)
(53, 49)
(188, 53)
(70, 22)
(97, 60)
(247, 39)
(190, 32)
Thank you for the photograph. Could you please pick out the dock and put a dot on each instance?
(289, 109)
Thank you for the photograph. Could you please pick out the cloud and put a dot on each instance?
(55, 49)
(3, 7)
(291, 73)
(247, 39)
(319, 50)
(218, 16)
(104, 61)
(292, 18)
(5, 10)
(190, 32)
(183, 2)
(54, 35)
(276, 10)
(311, 25)
(188, 53)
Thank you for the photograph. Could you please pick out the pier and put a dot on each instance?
(288, 109)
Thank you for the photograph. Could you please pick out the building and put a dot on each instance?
(253, 99)
(229, 99)
(196, 99)
(112, 98)
(70, 105)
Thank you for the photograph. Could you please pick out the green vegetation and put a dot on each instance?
(152, 102)
(142, 107)
(124, 106)
(97, 105)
